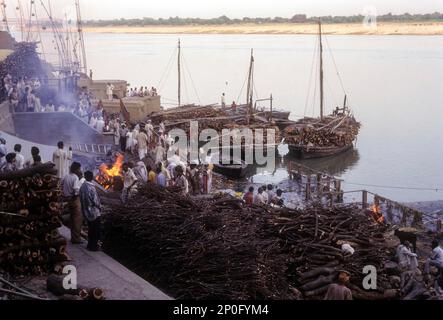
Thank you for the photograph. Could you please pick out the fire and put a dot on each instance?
(377, 214)
(107, 175)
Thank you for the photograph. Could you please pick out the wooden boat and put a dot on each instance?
(236, 169)
(312, 152)
(325, 136)
(276, 114)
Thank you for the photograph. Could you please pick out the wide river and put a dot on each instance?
(394, 85)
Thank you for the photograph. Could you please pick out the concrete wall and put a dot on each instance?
(98, 87)
(50, 127)
(138, 107)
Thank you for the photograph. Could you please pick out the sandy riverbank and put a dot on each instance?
(419, 28)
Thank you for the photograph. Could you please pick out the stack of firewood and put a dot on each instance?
(186, 112)
(30, 215)
(328, 132)
(219, 248)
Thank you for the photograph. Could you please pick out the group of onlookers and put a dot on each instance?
(142, 92)
(265, 196)
(14, 161)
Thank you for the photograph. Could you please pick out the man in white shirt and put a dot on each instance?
(149, 128)
(71, 188)
(436, 259)
(259, 199)
(110, 91)
(61, 159)
(407, 260)
(19, 159)
(223, 100)
(142, 143)
(181, 181)
(129, 183)
(100, 124)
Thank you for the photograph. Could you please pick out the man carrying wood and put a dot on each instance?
(71, 189)
(339, 291)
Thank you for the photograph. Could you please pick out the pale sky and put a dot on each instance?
(110, 9)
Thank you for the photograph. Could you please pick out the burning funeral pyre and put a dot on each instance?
(110, 177)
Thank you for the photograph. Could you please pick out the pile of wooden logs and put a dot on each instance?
(30, 215)
(186, 112)
(218, 248)
(331, 131)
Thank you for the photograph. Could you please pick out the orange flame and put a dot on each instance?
(377, 214)
(106, 176)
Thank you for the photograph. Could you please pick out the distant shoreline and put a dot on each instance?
(385, 28)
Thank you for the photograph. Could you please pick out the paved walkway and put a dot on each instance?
(96, 269)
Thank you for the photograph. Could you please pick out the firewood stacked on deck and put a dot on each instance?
(221, 249)
(29, 218)
(319, 133)
(190, 112)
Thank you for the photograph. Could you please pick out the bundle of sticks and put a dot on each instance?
(218, 248)
(30, 215)
(329, 132)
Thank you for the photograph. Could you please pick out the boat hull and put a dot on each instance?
(232, 171)
(283, 115)
(304, 152)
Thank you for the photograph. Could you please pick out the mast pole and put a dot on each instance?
(22, 19)
(5, 17)
(321, 73)
(179, 73)
(82, 64)
(250, 91)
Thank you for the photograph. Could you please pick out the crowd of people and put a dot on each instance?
(142, 141)
(22, 94)
(13, 161)
(142, 92)
(408, 262)
(265, 196)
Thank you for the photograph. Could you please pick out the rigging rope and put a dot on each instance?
(167, 70)
(335, 65)
(192, 80)
(314, 56)
(241, 90)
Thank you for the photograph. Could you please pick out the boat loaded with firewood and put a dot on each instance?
(324, 136)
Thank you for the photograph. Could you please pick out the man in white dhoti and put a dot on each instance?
(62, 159)
(100, 124)
(149, 128)
(93, 121)
(159, 152)
(110, 91)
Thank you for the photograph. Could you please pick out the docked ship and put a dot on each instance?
(324, 136)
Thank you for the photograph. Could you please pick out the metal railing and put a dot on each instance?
(322, 188)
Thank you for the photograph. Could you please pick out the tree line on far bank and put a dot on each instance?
(298, 18)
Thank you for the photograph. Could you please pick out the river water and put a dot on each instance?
(394, 85)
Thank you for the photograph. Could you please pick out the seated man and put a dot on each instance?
(436, 259)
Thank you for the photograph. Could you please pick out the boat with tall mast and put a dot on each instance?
(327, 135)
